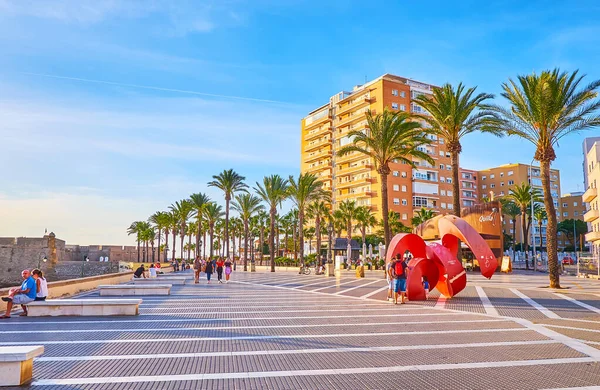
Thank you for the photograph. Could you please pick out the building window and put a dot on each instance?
(395, 173)
(448, 167)
(403, 188)
(501, 184)
(483, 177)
(449, 193)
(404, 202)
(402, 94)
(450, 207)
(492, 185)
(394, 92)
(396, 187)
(492, 176)
(565, 214)
(403, 174)
(441, 140)
(575, 213)
(443, 192)
(403, 107)
(565, 205)
(404, 217)
(511, 182)
(449, 180)
(501, 193)
(510, 173)
(501, 174)
(443, 205)
(447, 154)
(442, 166)
(396, 201)
(394, 106)
(574, 204)
(484, 186)
(441, 153)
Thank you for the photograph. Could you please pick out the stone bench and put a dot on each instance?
(84, 307)
(171, 280)
(136, 289)
(16, 364)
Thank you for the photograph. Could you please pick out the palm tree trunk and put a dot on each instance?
(384, 208)
(540, 227)
(211, 237)
(204, 245)
(277, 238)
(158, 251)
(189, 245)
(166, 242)
(363, 232)
(138, 248)
(455, 184)
(272, 238)
(174, 235)
(349, 243)
(246, 245)
(318, 237)
(551, 234)
(152, 243)
(514, 236)
(227, 199)
(182, 238)
(198, 235)
(262, 243)
(524, 246)
(301, 234)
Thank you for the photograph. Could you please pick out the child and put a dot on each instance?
(426, 286)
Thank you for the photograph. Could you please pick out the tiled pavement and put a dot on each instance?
(288, 331)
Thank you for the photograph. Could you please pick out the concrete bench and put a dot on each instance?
(136, 289)
(16, 364)
(84, 307)
(172, 280)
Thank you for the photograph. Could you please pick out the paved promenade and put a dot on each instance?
(288, 331)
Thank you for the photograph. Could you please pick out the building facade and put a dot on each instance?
(353, 176)
(469, 187)
(498, 181)
(590, 196)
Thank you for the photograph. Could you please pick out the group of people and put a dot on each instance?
(220, 265)
(179, 265)
(151, 272)
(33, 288)
(397, 272)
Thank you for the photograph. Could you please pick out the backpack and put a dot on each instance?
(396, 269)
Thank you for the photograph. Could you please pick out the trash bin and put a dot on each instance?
(360, 271)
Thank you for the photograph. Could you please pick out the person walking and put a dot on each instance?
(209, 271)
(220, 264)
(227, 270)
(398, 271)
(388, 278)
(197, 269)
(42, 285)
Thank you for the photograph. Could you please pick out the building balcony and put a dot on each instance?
(317, 133)
(592, 236)
(356, 182)
(590, 194)
(347, 107)
(590, 215)
(352, 127)
(318, 122)
(318, 155)
(317, 144)
(353, 118)
(349, 158)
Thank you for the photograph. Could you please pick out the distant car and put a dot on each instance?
(568, 260)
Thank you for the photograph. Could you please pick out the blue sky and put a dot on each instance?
(177, 91)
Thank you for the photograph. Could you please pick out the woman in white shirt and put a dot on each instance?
(42, 285)
(152, 271)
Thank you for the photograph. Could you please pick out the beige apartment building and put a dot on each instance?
(497, 182)
(591, 148)
(325, 129)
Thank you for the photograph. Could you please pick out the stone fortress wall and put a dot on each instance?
(63, 261)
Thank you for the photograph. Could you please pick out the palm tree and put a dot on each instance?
(294, 226)
(199, 200)
(540, 215)
(136, 228)
(318, 210)
(309, 234)
(393, 136)
(302, 192)
(396, 225)
(422, 216)
(229, 182)
(183, 210)
(453, 114)
(212, 213)
(145, 235)
(169, 224)
(522, 195)
(160, 219)
(365, 220)
(510, 209)
(191, 230)
(543, 109)
(247, 205)
(347, 212)
(273, 191)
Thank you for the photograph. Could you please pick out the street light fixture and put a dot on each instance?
(85, 260)
(40, 259)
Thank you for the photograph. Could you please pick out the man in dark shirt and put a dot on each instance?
(140, 272)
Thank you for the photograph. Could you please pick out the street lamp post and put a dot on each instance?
(40, 259)
(532, 227)
(330, 243)
(85, 260)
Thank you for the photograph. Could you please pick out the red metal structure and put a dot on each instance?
(438, 262)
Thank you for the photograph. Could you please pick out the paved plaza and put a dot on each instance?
(289, 331)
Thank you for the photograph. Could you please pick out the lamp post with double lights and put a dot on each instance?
(85, 260)
(40, 259)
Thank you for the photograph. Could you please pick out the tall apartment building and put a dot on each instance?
(353, 176)
(497, 182)
(590, 196)
(469, 188)
(572, 206)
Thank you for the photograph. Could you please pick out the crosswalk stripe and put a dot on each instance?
(548, 313)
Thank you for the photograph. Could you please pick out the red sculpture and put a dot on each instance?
(438, 262)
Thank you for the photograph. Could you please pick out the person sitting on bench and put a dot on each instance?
(140, 272)
(23, 295)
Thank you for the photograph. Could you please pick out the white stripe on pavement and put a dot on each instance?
(572, 328)
(548, 313)
(262, 337)
(19, 323)
(487, 305)
(575, 301)
(306, 285)
(336, 371)
(441, 302)
(334, 286)
(270, 311)
(191, 329)
(292, 351)
(354, 288)
(374, 292)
